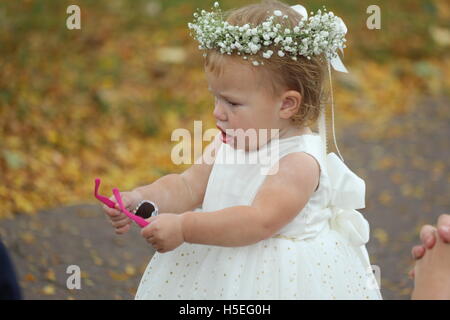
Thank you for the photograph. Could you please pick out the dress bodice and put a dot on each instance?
(237, 175)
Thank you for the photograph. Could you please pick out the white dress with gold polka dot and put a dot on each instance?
(320, 254)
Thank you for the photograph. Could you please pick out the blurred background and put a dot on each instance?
(103, 101)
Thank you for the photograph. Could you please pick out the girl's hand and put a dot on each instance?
(118, 219)
(164, 232)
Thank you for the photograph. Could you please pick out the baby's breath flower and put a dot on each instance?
(278, 13)
(320, 33)
(267, 54)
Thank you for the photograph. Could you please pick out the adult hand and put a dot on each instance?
(428, 237)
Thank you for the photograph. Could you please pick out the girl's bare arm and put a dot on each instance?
(178, 193)
(280, 198)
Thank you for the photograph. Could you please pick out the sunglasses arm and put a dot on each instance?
(141, 222)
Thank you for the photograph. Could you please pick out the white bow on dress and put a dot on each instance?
(347, 189)
(347, 195)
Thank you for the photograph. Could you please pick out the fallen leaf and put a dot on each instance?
(130, 270)
(385, 198)
(29, 277)
(381, 236)
(50, 275)
(48, 290)
(27, 237)
(118, 276)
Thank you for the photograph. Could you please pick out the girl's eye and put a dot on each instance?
(233, 104)
(229, 102)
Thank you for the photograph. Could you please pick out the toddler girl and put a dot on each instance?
(232, 230)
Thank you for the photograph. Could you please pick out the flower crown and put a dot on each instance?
(320, 33)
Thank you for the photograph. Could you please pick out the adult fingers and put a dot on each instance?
(443, 227)
(418, 252)
(428, 236)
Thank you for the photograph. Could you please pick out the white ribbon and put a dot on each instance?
(347, 189)
(337, 64)
(348, 194)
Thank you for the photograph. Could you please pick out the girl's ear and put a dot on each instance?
(290, 104)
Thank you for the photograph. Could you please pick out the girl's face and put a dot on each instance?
(241, 103)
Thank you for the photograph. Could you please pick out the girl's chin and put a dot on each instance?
(232, 141)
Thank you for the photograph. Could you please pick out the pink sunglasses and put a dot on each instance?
(141, 222)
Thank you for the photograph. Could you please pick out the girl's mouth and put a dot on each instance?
(225, 138)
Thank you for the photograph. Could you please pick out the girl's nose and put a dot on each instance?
(219, 112)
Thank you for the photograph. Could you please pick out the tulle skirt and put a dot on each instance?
(325, 267)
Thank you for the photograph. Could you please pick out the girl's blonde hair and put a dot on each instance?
(278, 73)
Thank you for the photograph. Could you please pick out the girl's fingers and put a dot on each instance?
(121, 223)
(152, 241)
(428, 236)
(123, 229)
(112, 212)
(119, 217)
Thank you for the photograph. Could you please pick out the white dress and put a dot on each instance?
(320, 254)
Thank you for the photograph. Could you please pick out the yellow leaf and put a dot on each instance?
(50, 275)
(130, 270)
(397, 178)
(48, 290)
(118, 276)
(381, 236)
(29, 277)
(385, 198)
(386, 163)
(89, 282)
(97, 260)
(27, 237)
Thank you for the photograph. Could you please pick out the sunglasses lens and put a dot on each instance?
(145, 210)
